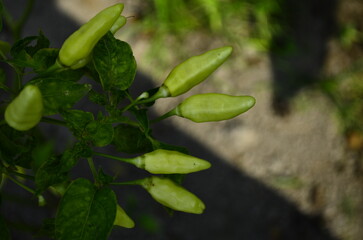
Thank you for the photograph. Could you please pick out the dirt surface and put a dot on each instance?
(273, 177)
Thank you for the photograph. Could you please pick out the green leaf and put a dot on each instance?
(4, 231)
(85, 212)
(45, 58)
(77, 120)
(83, 126)
(104, 178)
(114, 61)
(142, 118)
(49, 173)
(92, 72)
(130, 139)
(116, 96)
(58, 94)
(22, 59)
(100, 133)
(22, 51)
(14, 145)
(71, 156)
(98, 98)
(42, 153)
(21, 46)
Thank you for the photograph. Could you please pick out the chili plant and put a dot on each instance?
(89, 209)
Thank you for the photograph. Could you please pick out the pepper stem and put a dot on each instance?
(20, 184)
(93, 168)
(166, 115)
(140, 182)
(163, 92)
(133, 161)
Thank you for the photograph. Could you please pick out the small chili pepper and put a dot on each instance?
(25, 111)
(119, 23)
(211, 107)
(163, 161)
(172, 195)
(193, 71)
(122, 219)
(77, 48)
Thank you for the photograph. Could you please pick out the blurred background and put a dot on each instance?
(290, 168)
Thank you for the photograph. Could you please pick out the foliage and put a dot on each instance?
(89, 210)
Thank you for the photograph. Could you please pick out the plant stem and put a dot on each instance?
(21, 22)
(161, 93)
(22, 175)
(16, 27)
(92, 167)
(20, 184)
(6, 88)
(19, 77)
(135, 182)
(128, 160)
(54, 121)
(166, 115)
(56, 67)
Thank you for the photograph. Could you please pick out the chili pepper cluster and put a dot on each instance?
(85, 51)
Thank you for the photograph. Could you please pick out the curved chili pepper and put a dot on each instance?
(172, 195)
(77, 48)
(163, 161)
(25, 111)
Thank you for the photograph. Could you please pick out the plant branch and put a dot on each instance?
(16, 27)
(20, 184)
(135, 182)
(162, 93)
(25, 176)
(166, 115)
(93, 168)
(127, 160)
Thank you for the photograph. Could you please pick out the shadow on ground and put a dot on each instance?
(299, 50)
(238, 206)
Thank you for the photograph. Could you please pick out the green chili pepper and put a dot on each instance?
(211, 107)
(25, 111)
(171, 195)
(163, 161)
(120, 22)
(122, 219)
(193, 71)
(77, 48)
